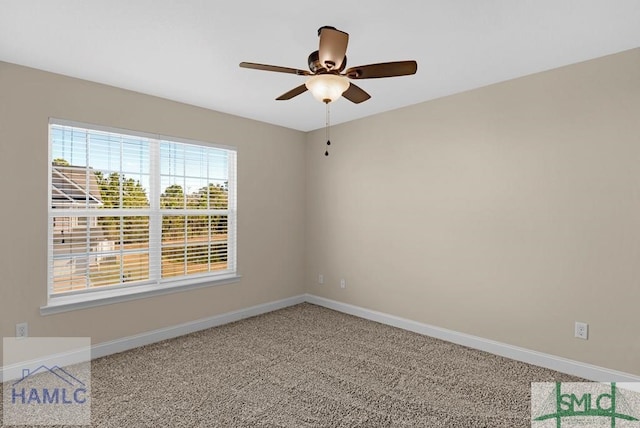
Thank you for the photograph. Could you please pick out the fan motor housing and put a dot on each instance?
(317, 68)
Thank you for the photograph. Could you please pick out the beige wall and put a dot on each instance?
(270, 202)
(507, 212)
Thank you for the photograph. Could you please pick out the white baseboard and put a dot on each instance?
(564, 365)
(576, 368)
(14, 371)
(75, 356)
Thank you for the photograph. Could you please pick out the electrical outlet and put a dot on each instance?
(581, 330)
(22, 330)
(343, 283)
(321, 279)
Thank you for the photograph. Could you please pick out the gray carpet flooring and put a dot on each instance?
(308, 366)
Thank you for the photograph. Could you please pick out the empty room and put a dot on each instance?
(337, 214)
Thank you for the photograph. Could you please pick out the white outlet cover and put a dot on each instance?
(581, 330)
(22, 330)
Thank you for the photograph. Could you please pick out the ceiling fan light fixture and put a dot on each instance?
(327, 88)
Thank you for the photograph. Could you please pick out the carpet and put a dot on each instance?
(308, 366)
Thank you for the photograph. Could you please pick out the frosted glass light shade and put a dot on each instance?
(327, 87)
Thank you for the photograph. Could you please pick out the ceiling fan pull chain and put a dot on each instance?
(327, 126)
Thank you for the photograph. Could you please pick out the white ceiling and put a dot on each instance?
(189, 50)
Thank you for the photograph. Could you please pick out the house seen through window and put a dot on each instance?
(135, 209)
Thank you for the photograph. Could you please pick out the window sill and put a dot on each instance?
(107, 297)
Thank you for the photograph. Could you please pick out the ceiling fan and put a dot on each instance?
(328, 78)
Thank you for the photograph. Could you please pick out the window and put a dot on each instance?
(131, 212)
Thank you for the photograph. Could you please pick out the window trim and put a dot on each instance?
(120, 293)
(116, 295)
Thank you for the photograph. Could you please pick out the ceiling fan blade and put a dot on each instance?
(275, 68)
(385, 69)
(333, 47)
(292, 93)
(355, 94)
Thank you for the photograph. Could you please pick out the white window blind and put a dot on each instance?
(128, 210)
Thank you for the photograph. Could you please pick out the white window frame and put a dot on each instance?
(62, 302)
